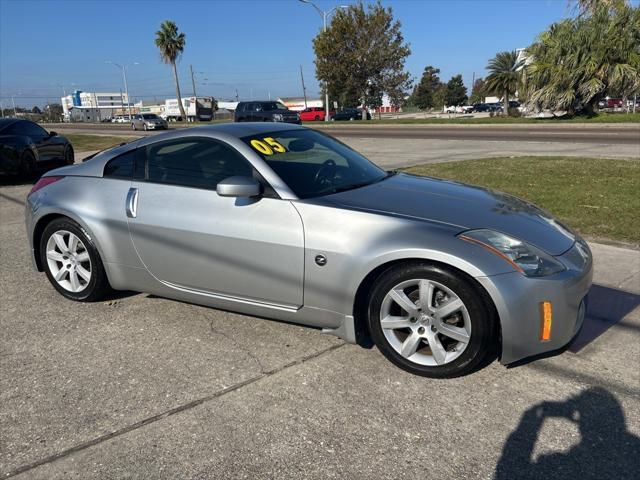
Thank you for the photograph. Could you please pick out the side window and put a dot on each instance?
(121, 166)
(194, 162)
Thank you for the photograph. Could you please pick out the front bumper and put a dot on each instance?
(518, 298)
(156, 126)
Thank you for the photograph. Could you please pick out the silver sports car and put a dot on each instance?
(286, 222)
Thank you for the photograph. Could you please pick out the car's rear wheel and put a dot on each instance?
(72, 262)
(430, 321)
(69, 157)
(27, 164)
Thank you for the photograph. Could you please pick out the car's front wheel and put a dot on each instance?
(72, 262)
(431, 321)
(133, 126)
(27, 165)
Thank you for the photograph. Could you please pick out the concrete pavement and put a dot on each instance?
(143, 387)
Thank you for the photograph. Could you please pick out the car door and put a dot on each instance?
(47, 149)
(189, 237)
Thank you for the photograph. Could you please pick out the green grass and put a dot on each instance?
(599, 118)
(597, 197)
(86, 143)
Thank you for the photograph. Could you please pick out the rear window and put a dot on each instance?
(121, 166)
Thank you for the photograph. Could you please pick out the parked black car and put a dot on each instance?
(25, 146)
(265, 111)
(350, 114)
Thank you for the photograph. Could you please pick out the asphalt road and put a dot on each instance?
(610, 134)
(142, 387)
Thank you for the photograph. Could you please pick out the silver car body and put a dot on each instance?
(258, 257)
(141, 123)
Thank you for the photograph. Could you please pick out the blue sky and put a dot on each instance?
(254, 46)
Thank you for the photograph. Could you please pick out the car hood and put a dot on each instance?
(460, 205)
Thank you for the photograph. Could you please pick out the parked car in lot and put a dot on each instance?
(25, 146)
(265, 111)
(121, 119)
(285, 222)
(315, 113)
(349, 114)
(484, 107)
(148, 121)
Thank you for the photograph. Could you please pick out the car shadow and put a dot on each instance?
(606, 450)
(606, 307)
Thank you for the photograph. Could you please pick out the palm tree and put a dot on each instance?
(579, 61)
(504, 76)
(171, 45)
(586, 7)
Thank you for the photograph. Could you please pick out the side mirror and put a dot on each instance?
(53, 134)
(238, 187)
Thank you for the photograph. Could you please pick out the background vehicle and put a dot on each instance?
(148, 121)
(315, 113)
(25, 146)
(195, 108)
(285, 222)
(458, 109)
(265, 111)
(121, 119)
(349, 114)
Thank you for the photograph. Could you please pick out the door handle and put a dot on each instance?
(132, 203)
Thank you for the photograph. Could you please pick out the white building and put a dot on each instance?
(94, 106)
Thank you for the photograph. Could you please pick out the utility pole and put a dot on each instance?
(126, 87)
(324, 14)
(304, 90)
(193, 82)
(15, 113)
(237, 97)
(1, 109)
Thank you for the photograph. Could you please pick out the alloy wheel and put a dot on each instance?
(425, 322)
(68, 261)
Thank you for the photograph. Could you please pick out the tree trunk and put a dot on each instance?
(180, 106)
(506, 103)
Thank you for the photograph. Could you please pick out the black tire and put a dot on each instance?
(144, 127)
(98, 285)
(27, 165)
(69, 156)
(133, 126)
(317, 118)
(484, 333)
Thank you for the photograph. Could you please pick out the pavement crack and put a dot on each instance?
(244, 349)
(167, 413)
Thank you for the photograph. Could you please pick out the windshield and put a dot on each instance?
(149, 116)
(268, 106)
(314, 164)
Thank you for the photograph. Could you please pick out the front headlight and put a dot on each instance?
(525, 258)
(277, 117)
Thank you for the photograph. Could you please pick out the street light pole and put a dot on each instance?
(126, 87)
(324, 14)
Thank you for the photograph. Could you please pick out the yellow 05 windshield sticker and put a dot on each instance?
(267, 146)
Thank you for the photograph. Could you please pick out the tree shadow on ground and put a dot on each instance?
(607, 450)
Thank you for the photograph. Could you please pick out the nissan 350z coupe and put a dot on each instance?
(286, 222)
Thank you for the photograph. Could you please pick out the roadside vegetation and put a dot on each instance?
(596, 118)
(90, 143)
(598, 197)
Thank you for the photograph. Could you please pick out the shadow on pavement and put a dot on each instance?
(606, 307)
(607, 450)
